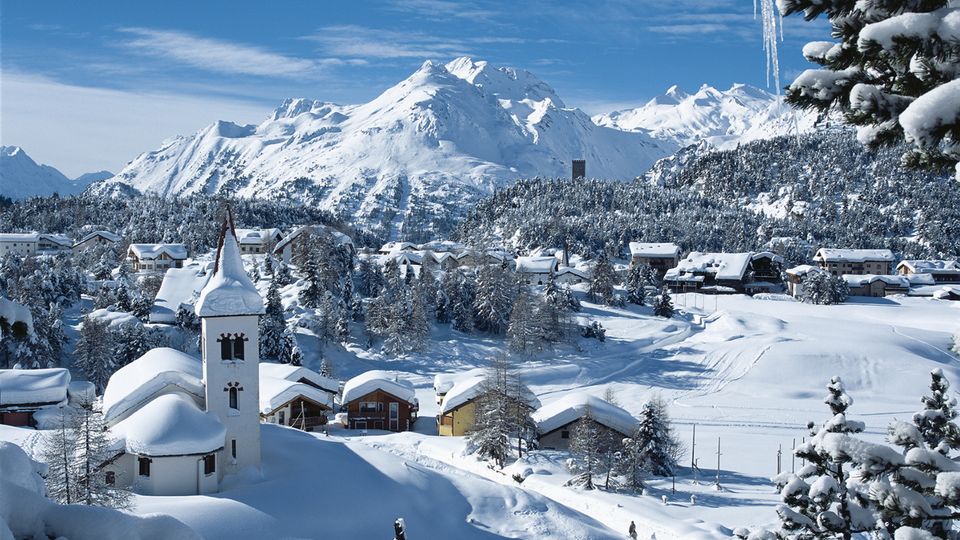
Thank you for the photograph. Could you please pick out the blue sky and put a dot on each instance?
(88, 85)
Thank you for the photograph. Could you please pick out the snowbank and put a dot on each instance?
(147, 376)
(33, 386)
(170, 425)
(571, 408)
(299, 374)
(115, 319)
(229, 291)
(365, 383)
(26, 513)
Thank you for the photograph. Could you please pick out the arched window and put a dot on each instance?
(226, 349)
(233, 397)
(238, 347)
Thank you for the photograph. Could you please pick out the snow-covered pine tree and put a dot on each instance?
(657, 447)
(312, 273)
(272, 324)
(663, 305)
(524, 332)
(493, 300)
(282, 274)
(122, 300)
(326, 368)
(892, 72)
(586, 450)
(93, 354)
(604, 279)
(502, 412)
(640, 277)
(56, 451)
(93, 449)
(130, 341)
(936, 420)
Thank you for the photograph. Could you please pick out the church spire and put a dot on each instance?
(230, 291)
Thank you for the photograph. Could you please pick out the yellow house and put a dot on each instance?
(457, 395)
(459, 421)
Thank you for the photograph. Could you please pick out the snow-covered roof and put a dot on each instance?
(468, 388)
(647, 249)
(152, 251)
(443, 382)
(803, 269)
(391, 247)
(170, 425)
(571, 408)
(338, 237)
(298, 374)
(536, 265)
(180, 286)
(274, 393)
(257, 236)
(853, 255)
(13, 312)
(722, 265)
(441, 246)
(111, 236)
(115, 319)
(229, 291)
(582, 274)
(947, 292)
(158, 370)
(930, 266)
(33, 386)
(861, 280)
(766, 255)
(19, 237)
(59, 239)
(370, 381)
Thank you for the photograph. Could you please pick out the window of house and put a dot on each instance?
(232, 392)
(110, 478)
(143, 464)
(282, 416)
(565, 434)
(368, 406)
(209, 464)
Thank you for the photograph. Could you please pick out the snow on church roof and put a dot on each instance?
(140, 380)
(170, 425)
(297, 374)
(370, 381)
(645, 249)
(573, 407)
(33, 386)
(229, 291)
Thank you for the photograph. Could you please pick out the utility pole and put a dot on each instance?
(693, 449)
(793, 456)
(779, 454)
(718, 464)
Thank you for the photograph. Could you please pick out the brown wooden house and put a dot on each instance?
(378, 400)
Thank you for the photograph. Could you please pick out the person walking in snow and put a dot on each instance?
(632, 531)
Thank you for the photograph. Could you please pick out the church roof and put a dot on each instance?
(229, 291)
(158, 371)
(170, 425)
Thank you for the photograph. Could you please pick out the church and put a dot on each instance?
(182, 423)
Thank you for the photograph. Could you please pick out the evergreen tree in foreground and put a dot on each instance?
(93, 449)
(272, 324)
(56, 451)
(663, 306)
(502, 412)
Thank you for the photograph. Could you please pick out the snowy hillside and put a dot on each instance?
(411, 158)
(22, 177)
(721, 118)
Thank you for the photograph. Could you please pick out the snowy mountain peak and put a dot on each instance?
(22, 177)
(503, 82)
(10, 151)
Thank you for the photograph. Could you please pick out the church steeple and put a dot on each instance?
(229, 291)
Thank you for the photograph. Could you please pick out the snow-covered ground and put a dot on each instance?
(748, 371)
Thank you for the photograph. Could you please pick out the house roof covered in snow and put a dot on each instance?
(441, 246)
(861, 280)
(275, 393)
(948, 292)
(370, 381)
(19, 237)
(391, 247)
(257, 236)
(536, 265)
(573, 407)
(443, 382)
(180, 286)
(731, 266)
(107, 235)
(59, 239)
(853, 255)
(153, 251)
(338, 237)
(467, 388)
(229, 291)
(647, 249)
(158, 370)
(578, 272)
(170, 425)
(803, 269)
(299, 374)
(930, 266)
(33, 386)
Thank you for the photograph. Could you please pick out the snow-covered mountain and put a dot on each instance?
(22, 177)
(721, 118)
(409, 161)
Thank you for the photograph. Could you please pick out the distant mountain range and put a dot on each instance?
(411, 161)
(22, 177)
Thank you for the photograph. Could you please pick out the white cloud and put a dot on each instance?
(81, 129)
(353, 41)
(220, 56)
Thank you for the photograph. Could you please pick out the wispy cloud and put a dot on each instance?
(443, 9)
(221, 56)
(353, 41)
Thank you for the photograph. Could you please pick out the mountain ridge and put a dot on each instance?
(21, 177)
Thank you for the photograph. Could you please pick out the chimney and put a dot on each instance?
(579, 169)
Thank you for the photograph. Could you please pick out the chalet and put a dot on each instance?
(536, 270)
(795, 277)
(442, 260)
(156, 257)
(854, 261)
(394, 247)
(569, 275)
(457, 397)
(660, 256)
(725, 272)
(475, 258)
(53, 244)
(556, 421)
(291, 244)
(379, 400)
(941, 271)
(96, 238)
(296, 396)
(23, 392)
(20, 244)
(876, 285)
(257, 241)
